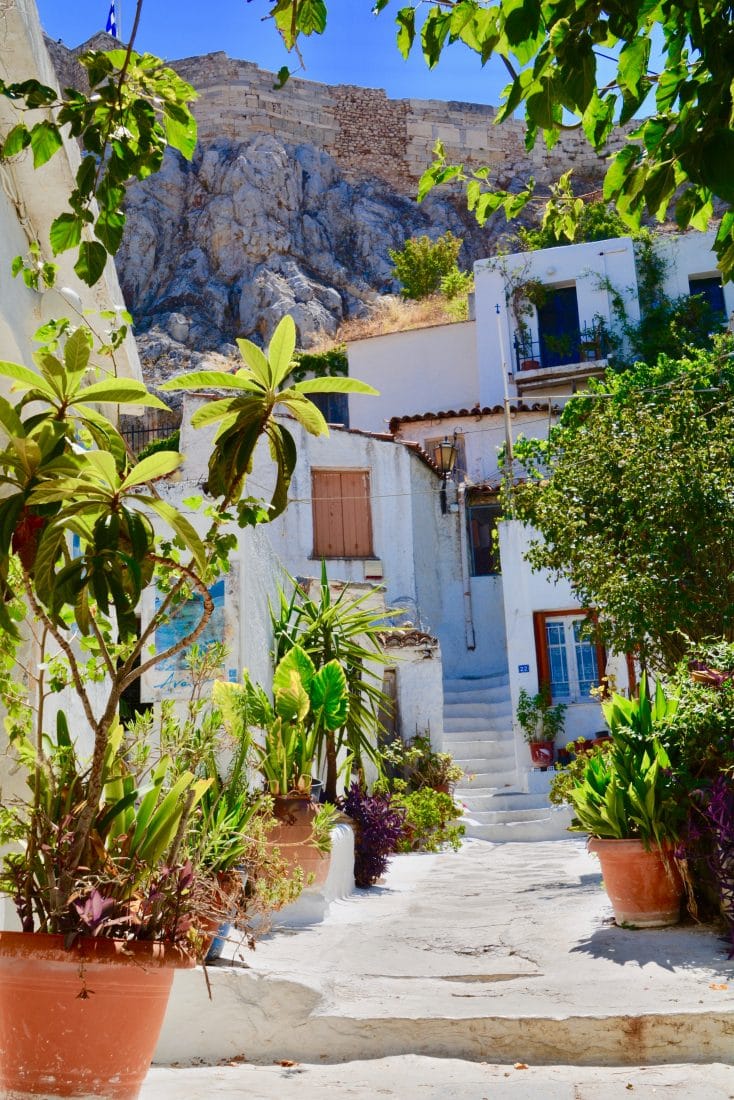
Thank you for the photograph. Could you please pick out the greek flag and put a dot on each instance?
(111, 27)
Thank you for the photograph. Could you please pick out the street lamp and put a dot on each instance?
(444, 455)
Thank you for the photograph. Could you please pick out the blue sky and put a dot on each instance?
(358, 47)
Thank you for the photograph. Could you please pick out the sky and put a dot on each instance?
(357, 48)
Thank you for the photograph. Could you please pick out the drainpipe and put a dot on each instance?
(465, 578)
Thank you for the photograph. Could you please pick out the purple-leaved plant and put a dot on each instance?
(720, 812)
(379, 827)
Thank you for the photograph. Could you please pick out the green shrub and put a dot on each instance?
(430, 821)
(422, 264)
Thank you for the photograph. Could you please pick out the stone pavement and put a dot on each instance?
(413, 1078)
(440, 980)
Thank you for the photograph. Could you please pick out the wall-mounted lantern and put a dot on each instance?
(444, 455)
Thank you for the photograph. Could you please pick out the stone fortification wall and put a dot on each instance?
(367, 134)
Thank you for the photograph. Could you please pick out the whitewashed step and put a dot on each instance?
(489, 749)
(551, 826)
(490, 799)
(497, 694)
(465, 724)
(492, 780)
(490, 733)
(477, 710)
(486, 766)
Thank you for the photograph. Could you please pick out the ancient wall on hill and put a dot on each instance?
(368, 134)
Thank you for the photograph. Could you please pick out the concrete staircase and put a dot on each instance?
(477, 722)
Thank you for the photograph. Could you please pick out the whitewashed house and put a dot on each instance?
(510, 370)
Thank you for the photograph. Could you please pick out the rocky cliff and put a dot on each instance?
(292, 203)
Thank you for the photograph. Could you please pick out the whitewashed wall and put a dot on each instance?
(690, 254)
(524, 593)
(484, 436)
(586, 265)
(423, 370)
(29, 201)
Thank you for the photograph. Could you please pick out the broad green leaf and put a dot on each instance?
(217, 410)
(306, 413)
(181, 526)
(103, 464)
(27, 378)
(118, 391)
(334, 384)
(65, 232)
(45, 141)
(210, 379)
(77, 350)
(330, 696)
(295, 660)
(91, 262)
(17, 140)
(181, 135)
(257, 362)
(160, 464)
(281, 348)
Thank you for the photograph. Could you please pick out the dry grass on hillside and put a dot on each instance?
(392, 314)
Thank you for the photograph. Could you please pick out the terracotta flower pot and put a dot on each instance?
(80, 1022)
(541, 753)
(644, 887)
(293, 836)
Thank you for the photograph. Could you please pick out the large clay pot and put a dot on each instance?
(541, 753)
(293, 836)
(84, 1021)
(644, 887)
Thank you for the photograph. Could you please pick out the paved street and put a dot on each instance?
(449, 975)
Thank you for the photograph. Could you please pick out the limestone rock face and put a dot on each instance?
(224, 246)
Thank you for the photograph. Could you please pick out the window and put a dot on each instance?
(459, 471)
(710, 288)
(482, 523)
(570, 661)
(333, 406)
(559, 331)
(342, 519)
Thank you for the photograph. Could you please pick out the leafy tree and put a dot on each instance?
(590, 66)
(633, 497)
(569, 219)
(422, 263)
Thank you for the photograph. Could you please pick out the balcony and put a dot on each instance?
(557, 358)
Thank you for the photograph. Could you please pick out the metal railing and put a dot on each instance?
(584, 346)
(137, 438)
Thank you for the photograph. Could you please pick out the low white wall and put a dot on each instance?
(313, 904)
(422, 370)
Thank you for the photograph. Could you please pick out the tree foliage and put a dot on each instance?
(594, 67)
(422, 263)
(136, 108)
(633, 495)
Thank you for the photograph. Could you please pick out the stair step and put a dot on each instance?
(489, 799)
(489, 733)
(476, 710)
(466, 724)
(494, 780)
(481, 746)
(551, 827)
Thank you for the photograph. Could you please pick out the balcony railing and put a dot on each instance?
(586, 346)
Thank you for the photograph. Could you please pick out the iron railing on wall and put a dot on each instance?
(586, 346)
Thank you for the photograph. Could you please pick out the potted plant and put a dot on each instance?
(541, 723)
(627, 799)
(96, 861)
(307, 702)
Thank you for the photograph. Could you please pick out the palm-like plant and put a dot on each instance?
(342, 628)
(249, 413)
